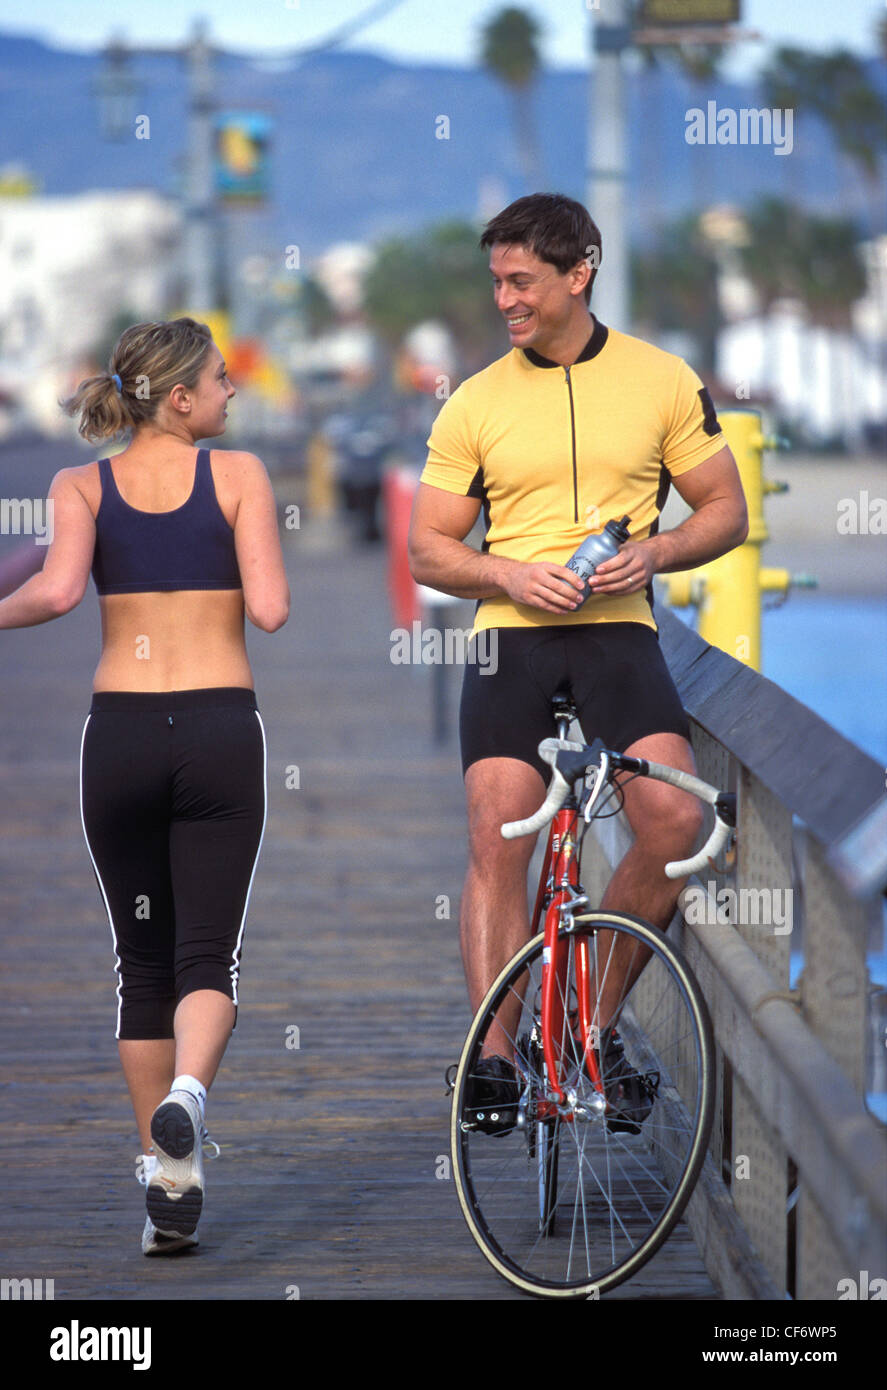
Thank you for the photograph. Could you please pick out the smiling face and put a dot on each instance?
(540, 305)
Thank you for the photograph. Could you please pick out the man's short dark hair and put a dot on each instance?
(554, 228)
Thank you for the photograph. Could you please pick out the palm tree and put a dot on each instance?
(510, 52)
(834, 87)
(774, 257)
(700, 65)
(835, 273)
(812, 259)
(835, 279)
(675, 287)
(436, 274)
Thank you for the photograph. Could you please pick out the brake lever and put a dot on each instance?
(601, 778)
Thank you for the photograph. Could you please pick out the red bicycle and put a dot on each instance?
(573, 1181)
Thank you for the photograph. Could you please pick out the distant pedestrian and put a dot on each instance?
(181, 542)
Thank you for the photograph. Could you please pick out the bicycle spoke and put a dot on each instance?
(607, 1194)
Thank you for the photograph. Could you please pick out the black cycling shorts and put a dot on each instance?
(615, 672)
(172, 790)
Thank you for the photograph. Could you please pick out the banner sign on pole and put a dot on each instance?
(241, 157)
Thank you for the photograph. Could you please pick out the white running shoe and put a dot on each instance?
(154, 1242)
(175, 1188)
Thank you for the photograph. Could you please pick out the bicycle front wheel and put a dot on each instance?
(595, 1172)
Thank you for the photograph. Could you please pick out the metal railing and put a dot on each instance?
(793, 1198)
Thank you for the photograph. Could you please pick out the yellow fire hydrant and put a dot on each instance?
(727, 592)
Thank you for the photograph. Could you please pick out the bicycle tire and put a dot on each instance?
(638, 1184)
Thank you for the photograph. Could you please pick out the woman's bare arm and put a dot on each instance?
(61, 583)
(266, 594)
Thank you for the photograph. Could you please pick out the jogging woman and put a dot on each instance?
(181, 543)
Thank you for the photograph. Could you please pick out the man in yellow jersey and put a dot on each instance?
(576, 425)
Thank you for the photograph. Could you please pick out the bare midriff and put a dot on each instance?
(189, 639)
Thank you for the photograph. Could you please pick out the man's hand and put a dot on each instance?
(545, 585)
(626, 573)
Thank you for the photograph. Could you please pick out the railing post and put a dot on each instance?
(713, 765)
(834, 997)
(763, 870)
(835, 980)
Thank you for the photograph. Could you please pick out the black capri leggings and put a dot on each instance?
(172, 796)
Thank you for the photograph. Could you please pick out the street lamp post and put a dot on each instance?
(610, 35)
(204, 277)
(617, 25)
(201, 217)
(201, 226)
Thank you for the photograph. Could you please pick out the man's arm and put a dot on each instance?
(719, 523)
(440, 522)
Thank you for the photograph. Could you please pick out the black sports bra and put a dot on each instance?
(191, 547)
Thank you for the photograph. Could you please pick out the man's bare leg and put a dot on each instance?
(495, 918)
(666, 822)
(495, 910)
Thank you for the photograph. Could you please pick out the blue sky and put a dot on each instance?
(412, 30)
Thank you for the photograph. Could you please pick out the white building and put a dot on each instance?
(830, 382)
(340, 271)
(68, 267)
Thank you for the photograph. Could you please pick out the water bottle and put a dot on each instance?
(595, 549)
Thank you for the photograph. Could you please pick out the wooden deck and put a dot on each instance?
(332, 1178)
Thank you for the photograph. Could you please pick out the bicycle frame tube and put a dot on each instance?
(558, 882)
(544, 882)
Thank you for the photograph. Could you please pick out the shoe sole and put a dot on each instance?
(174, 1213)
(170, 1245)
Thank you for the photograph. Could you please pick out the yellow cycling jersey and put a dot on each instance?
(555, 452)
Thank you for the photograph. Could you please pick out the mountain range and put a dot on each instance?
(355, 153)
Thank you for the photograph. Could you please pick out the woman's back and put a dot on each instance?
(182, 542)
(152, 514)
(180, 638)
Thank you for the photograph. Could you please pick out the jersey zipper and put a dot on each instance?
(573, 437)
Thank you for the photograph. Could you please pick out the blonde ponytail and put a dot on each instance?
(148, 360)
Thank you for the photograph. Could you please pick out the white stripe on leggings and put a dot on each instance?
(101, 885)
(235, 955)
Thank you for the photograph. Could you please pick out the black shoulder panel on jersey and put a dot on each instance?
(486, 510)
(661, 495)
(709, 414)
(476, 488)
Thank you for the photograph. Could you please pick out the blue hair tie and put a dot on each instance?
(117, 382)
